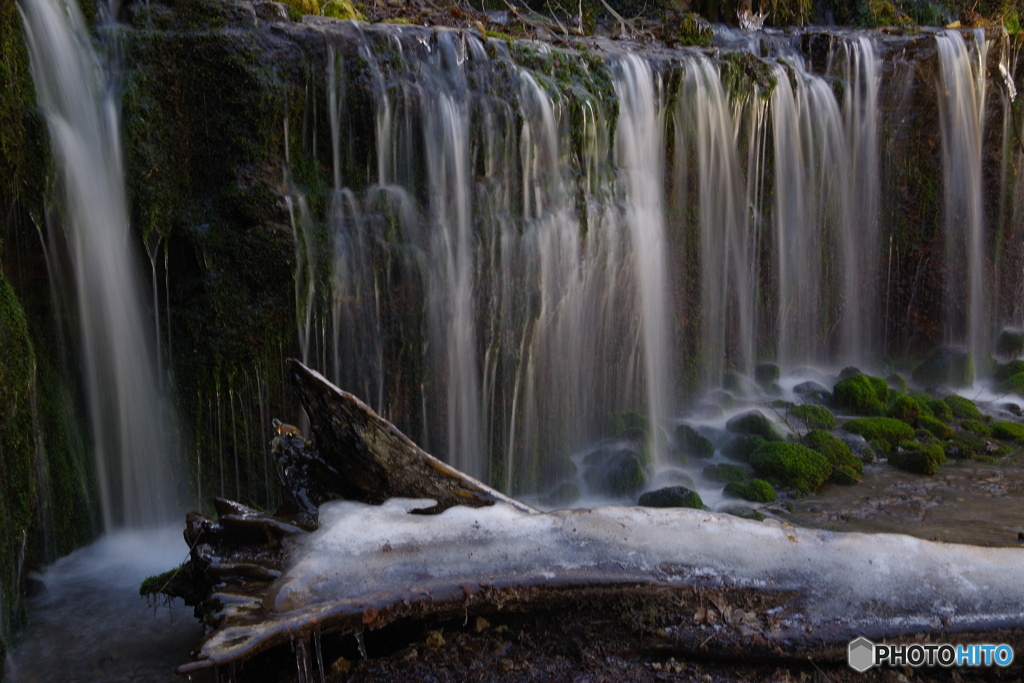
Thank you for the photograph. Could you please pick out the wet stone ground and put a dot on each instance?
(963, 502)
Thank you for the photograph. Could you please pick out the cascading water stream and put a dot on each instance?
(640, 144)
(133, 440)
(961, 88)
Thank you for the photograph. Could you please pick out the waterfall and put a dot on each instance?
(132, 435)
(961, 96)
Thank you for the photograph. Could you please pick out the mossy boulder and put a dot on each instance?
(726, 473)
(911, 456)
(812, 391)
(905, 409)
(846, 467)
(755, 490)
(672, 497)
(692, 443)
(897, 383)
(1005, 372)
(936, 428)
(792, 466)
(1010, 344)
(947, 366)
(963, 408)
(940, 410)
(767, 373)
(754, 423)
(743, 447)
(616, 472)
(861, 395)
(1013, 385)
(1009, 431)
(976, 427)
(881, 429)
(814, 416)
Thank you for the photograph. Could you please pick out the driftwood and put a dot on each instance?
(686, 581)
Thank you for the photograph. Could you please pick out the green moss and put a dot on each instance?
(940, 410)
(846, 467)
(1005, 372)
(754, 423)
(1009, 431)
(630, 425)
(18, 486)
(342, 9)
(726, 473)
(744, 512)
(919, 458)
(861, 395)
(897, 383)
(1009, 343)
(693, 444)
(884, 14)
(881, 429)
(672, 497)
(814, 416)
(936, 428)
(904, 409)
(792, 466)
(963, 408)
(755, 490)
(976, 427)
(1013, 385)
(742, 448)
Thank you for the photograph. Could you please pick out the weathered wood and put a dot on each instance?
(375, 460)
(685, 581)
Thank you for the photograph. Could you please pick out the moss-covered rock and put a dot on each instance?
(881, 429)
(743, 447)
(726, 473)
(861, 395)
(616, 472)
(1004, 372)
(814, 416)
(940, 410)
(1009, 431)
(846, 467)
(1013, 385)
(691, 443)
(905, 409)
(936, 428)
(963, 408)
(812, 391)
(755, 490)
(1010, 344)
(947, 366)
(897, 383)
(919, 458)
(792, 466)
(976, 427)
(754, 423)
(672, 497)
(18, 486)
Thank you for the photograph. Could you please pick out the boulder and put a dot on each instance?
(754, 423)
(948, 366)
(672, 497)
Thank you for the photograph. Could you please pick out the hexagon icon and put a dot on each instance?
(862, 655)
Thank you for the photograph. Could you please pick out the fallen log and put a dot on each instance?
(689, 582)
